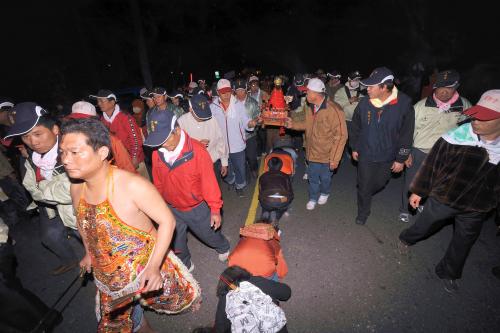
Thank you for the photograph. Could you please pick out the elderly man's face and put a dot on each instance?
(313, 97)
(487, 128)
(444, 94)
(254, 86)
(241, 94)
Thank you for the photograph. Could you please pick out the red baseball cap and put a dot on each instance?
(488, 107)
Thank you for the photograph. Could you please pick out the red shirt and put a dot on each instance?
(190, 180)
(126, 129)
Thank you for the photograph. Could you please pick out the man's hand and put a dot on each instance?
(334, 165)
(414, 200)
(205, 142)
(397, 167)
(254, 122)
(151, 280)
(409, 161)
(288, 122)
(23, 151)
(288, 99)
(223, 171)
(353, 99)
(215, 220)
(355, 155)
(86, 264)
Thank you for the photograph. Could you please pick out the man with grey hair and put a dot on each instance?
(326, 135)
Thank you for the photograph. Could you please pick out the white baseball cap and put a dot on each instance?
(83, 107)
(224, 86)
(316, 85)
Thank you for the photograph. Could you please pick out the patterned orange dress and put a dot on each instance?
(119, 254)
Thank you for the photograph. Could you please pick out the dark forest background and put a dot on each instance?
(58, 51)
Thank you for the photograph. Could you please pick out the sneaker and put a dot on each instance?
(450, 285)
(360, 222)
(323, 198)
(223, 256)
(191, 268)
(311, 205)
(305, 177)
(403, 249)
(404, 217)
(240, 192)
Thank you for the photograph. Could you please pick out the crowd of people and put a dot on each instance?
(130, 184)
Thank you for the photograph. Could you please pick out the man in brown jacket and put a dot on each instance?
(326, 135)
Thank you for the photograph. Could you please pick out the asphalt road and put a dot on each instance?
(344, 277)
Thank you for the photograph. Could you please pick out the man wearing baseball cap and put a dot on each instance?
(256, 93)
(183, 174)
(123, 126)
(326, 135)
(233, 121)
(200, 125)
(121, 158)
(333, 83)
(46, 180)
(434, 116)
(459, 178)
(381, 136)
(253, 111)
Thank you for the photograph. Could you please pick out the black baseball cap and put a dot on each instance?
(158, 91)
(378, 76)
(447, 79)
(104, 93)
(25, 116)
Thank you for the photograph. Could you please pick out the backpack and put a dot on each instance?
(250, 310)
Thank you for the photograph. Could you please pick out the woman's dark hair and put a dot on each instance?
(47, 122)
(275, 164)
(97, 134)
(231, 275)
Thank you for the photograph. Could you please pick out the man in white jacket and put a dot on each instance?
(200, 125)
(233, 121)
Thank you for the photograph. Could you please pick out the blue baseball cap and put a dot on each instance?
(24, 116)
(201, 107)
(161, 124)
(378, 76)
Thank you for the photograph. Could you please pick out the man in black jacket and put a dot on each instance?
(275, 191)
(460, 179)
(381, 136)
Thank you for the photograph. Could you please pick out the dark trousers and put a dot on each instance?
(54, 236)
(251, 153)
(409, 174)
(261, 140)
(467, 229)
(198, 221)
(372, 177)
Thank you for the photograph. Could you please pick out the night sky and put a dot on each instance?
(63, 50)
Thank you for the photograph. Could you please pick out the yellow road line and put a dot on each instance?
(252, 211)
